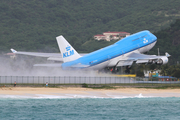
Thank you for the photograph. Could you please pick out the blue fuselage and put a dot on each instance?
(123, 46)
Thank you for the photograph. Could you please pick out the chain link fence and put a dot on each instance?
(115, 81)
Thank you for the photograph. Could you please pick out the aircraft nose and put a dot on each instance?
(154, 38)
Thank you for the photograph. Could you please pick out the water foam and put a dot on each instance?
(45, 96)
(130, 96)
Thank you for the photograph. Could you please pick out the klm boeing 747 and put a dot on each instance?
(122, 53)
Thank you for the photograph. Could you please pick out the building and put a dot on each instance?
(152, 73)
(108, 36)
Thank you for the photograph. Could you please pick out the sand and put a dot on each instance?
(104, 93)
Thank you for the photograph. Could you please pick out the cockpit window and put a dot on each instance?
(144, 36)
(135, 39)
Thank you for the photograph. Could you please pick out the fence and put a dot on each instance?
(56, 80)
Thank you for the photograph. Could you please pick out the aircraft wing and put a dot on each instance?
(142, 58)
(38, 54)
(49, 56)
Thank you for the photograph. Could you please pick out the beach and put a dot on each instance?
(87, 92)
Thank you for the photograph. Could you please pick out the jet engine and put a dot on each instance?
(150, 62)
(162, 61)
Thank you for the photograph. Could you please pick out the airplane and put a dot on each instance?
(122, 53)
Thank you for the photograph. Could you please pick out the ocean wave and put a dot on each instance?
(45, 96)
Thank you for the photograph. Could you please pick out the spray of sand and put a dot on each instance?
(23, 66)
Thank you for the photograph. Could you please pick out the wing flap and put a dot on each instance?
(38, 54)
(125, 62)
(138, 56)
(142, 61)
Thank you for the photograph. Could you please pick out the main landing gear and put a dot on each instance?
(127, 71)
(114, 70)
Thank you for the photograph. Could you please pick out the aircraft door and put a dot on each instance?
(138, 47)
(109, 57)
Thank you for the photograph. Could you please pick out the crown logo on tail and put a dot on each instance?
(68, 48)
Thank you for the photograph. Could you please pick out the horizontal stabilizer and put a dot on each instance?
(125, 63)
(47, 65)
(55, 59)
(14, 51)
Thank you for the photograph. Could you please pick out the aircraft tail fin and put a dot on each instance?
(67, 51)
(167, 55)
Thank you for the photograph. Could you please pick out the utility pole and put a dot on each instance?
(158, 51)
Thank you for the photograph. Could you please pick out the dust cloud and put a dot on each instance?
(23, 66)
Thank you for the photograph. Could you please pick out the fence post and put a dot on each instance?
(54, 80)
(38, 80)
(64, 79)
(110, 80)
(95, 79)
(33, 79)
(11, 80)
(75, 79)
(80, 80)
(59, 79)
(89, 80)
(49, 80)
(5, 79)
(69, 79)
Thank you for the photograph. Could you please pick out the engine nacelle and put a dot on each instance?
(150, 62)
(162, 61)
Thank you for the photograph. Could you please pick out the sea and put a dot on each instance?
(89, 108)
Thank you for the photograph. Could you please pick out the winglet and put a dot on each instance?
(14, 51)
(167, 55)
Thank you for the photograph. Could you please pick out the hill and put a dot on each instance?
(33, 25)
(169, 41)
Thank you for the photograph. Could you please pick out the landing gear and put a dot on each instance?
(114, 70)
(127, 71)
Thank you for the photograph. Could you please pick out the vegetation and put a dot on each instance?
(173, 70)
(169, 41)
(166, 70)
(33, 25)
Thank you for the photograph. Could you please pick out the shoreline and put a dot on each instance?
(67, 92)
